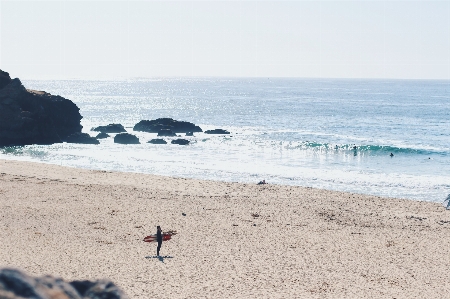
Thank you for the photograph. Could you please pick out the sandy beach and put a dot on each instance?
(234, 240)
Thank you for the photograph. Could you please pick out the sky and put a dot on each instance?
(307, 39)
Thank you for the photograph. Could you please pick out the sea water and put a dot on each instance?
(324, 133)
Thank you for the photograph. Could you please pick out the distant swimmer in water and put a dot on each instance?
(391, 155)
(263, 182)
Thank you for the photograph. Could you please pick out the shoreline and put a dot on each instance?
(235, 240)
(220, 181)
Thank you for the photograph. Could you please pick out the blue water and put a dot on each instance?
(286, 131)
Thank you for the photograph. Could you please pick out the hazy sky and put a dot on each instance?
(319, 39)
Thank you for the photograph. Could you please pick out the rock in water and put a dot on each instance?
(15, 284)
(34, 117)
(111, 128)
(180, 141)
(83, 138)
(157, 141)
(102, 135)
(166, 132)
(154, 126)
(125, 138)
(217, 131)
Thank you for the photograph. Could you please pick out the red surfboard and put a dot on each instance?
(152, 238)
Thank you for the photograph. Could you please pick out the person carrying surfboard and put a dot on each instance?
(159, 239)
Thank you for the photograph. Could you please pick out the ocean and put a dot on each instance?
(324, 133)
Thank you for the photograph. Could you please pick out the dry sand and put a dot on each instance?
(236, 240)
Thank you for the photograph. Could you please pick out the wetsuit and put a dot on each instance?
(159, 239)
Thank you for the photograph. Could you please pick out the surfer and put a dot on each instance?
(159, 239)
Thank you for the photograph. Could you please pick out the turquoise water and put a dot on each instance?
(332, 134)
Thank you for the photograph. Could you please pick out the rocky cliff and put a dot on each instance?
(34, 117)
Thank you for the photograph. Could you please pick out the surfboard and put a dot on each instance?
(152, 238)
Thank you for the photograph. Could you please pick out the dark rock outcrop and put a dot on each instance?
(111, 128)
(102, 135)
(166, 132)
(15, 284)
(126, 138)
(5, 79)
(84, 138)
(217, 131)
(100, 289)
(157, 141)
(34, 117)
(180, 141)
(154, 126)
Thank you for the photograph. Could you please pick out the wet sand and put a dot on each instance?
(234, 240)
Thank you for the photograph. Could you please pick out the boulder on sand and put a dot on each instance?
(34, 117)
(154, 126)
(15, 284)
